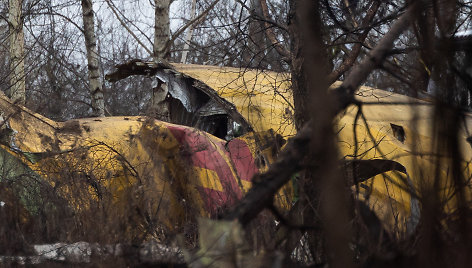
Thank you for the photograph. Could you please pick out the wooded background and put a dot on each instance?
(54, 56)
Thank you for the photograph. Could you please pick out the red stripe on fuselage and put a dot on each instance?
(242, 158)
(204, 154)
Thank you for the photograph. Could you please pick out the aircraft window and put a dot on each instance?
(398, 132)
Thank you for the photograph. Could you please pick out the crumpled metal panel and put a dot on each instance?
(181, 90)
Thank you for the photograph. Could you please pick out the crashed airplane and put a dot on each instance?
(226, 125)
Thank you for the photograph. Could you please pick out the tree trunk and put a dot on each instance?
(424, 31)
(188, 36)
(256, 42)
(96, 90)
(17, 63)
(161, 29)
(300, 94)
(159, 107)
(322, 189)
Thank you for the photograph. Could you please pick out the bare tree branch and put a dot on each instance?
(377, 55)
(111, 5)
(271, 35)
(130, 22)
(292, 157)
(195, 20)
(64, 17)
(352, 56)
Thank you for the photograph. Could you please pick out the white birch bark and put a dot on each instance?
(161, 29)
(96, 90)
(189, 34)
(159, 107)
(17, 63)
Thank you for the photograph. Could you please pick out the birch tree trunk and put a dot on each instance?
(159, 107)
(161, 30)
(17, 63)
(96, 91)
(189, 34)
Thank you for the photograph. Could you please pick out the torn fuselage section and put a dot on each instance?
(180, 99)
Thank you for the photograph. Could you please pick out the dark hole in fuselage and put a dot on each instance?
(216, 125)
(398, 132)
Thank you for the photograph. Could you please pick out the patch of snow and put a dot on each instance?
(464, 33)
(81, 252)
(49, 251)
